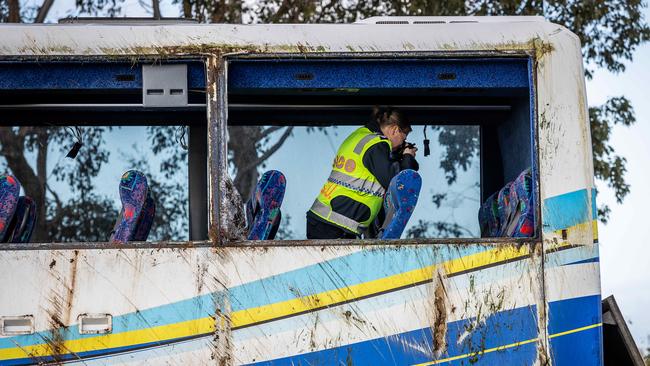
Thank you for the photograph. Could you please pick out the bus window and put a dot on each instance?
(76, 190)
(478, 131)
(110, 152)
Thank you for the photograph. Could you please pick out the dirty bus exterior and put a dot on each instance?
(416, 302)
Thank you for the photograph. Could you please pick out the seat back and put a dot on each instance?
(510, 211)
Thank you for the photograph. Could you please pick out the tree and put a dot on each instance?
(87, 216)
(58, 219)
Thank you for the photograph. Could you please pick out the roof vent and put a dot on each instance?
(392, 22)
(126, 21)
(446, 20)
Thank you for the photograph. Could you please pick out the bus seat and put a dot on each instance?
(136, 216)
(504, 209)
(263, 208)
(488, 217)
(23, 222)
(510, 211)
(9, 193)
(521, 195)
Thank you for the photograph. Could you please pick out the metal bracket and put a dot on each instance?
(164, 85)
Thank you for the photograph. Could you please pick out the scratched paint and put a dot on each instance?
(419, 302)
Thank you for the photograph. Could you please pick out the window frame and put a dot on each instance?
(221, 123)
(207, 192)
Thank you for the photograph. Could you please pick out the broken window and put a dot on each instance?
(293, 115)
(94, 144)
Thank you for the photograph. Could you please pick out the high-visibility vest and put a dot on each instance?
(350, 178)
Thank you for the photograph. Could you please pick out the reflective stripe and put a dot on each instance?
(356, 184)
(363, 142)
(326, 212)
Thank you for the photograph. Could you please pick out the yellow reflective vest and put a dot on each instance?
(350, 178)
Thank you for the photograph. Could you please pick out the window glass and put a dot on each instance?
(81, 194)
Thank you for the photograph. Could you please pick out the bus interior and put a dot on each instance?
(476, 111)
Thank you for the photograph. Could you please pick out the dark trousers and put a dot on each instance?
(317, 229)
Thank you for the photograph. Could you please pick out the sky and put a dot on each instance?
(624, 253)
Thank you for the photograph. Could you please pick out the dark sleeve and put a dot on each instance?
(409, 162)
(377, 160)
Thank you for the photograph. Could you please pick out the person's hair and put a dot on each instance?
(389, 116)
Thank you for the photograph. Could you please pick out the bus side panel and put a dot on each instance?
(155, 297)
(385, 304)
(568, 205)
(415, 304)
(574, 307)
(572, 280)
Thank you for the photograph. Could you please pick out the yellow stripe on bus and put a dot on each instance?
(269, 312)
(583, 227)
(333, 297)
(506, 346)
(134, 337)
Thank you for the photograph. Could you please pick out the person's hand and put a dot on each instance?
(410, 151)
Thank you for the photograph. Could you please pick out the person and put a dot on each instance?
(364, 165)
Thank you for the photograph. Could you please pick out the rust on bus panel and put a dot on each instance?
(58, 305)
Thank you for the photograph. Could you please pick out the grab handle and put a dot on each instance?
(16, 325)
(95, 323)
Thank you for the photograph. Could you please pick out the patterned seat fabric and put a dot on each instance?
(509, 212)
(488, 217)
(138, 209)
(521, 195)
(263, 209)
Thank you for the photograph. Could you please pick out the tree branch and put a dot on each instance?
(270, 151)
(282, 10)
(270, 130)
(187, 9)
(14, 11)
(26, 130)
(43, 11)
(59, 206)
(155, 4)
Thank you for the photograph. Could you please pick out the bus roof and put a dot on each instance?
(373, 35)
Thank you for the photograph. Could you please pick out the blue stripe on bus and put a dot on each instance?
(509, 271)
(566, 210)
(590, 260)
(581, 348)
(376, 263)
(500, 329)
(414, 347)
(573, 313)
(594, 208)
(576, 255)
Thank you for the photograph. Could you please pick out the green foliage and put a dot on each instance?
(87, 218)
(437, 229)
(84, 216)
(461, 147)
(108, 8)
(170, 191)
(608, 166)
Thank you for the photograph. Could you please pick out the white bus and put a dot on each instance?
(499, 95)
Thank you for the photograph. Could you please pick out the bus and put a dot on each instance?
(493, 96)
